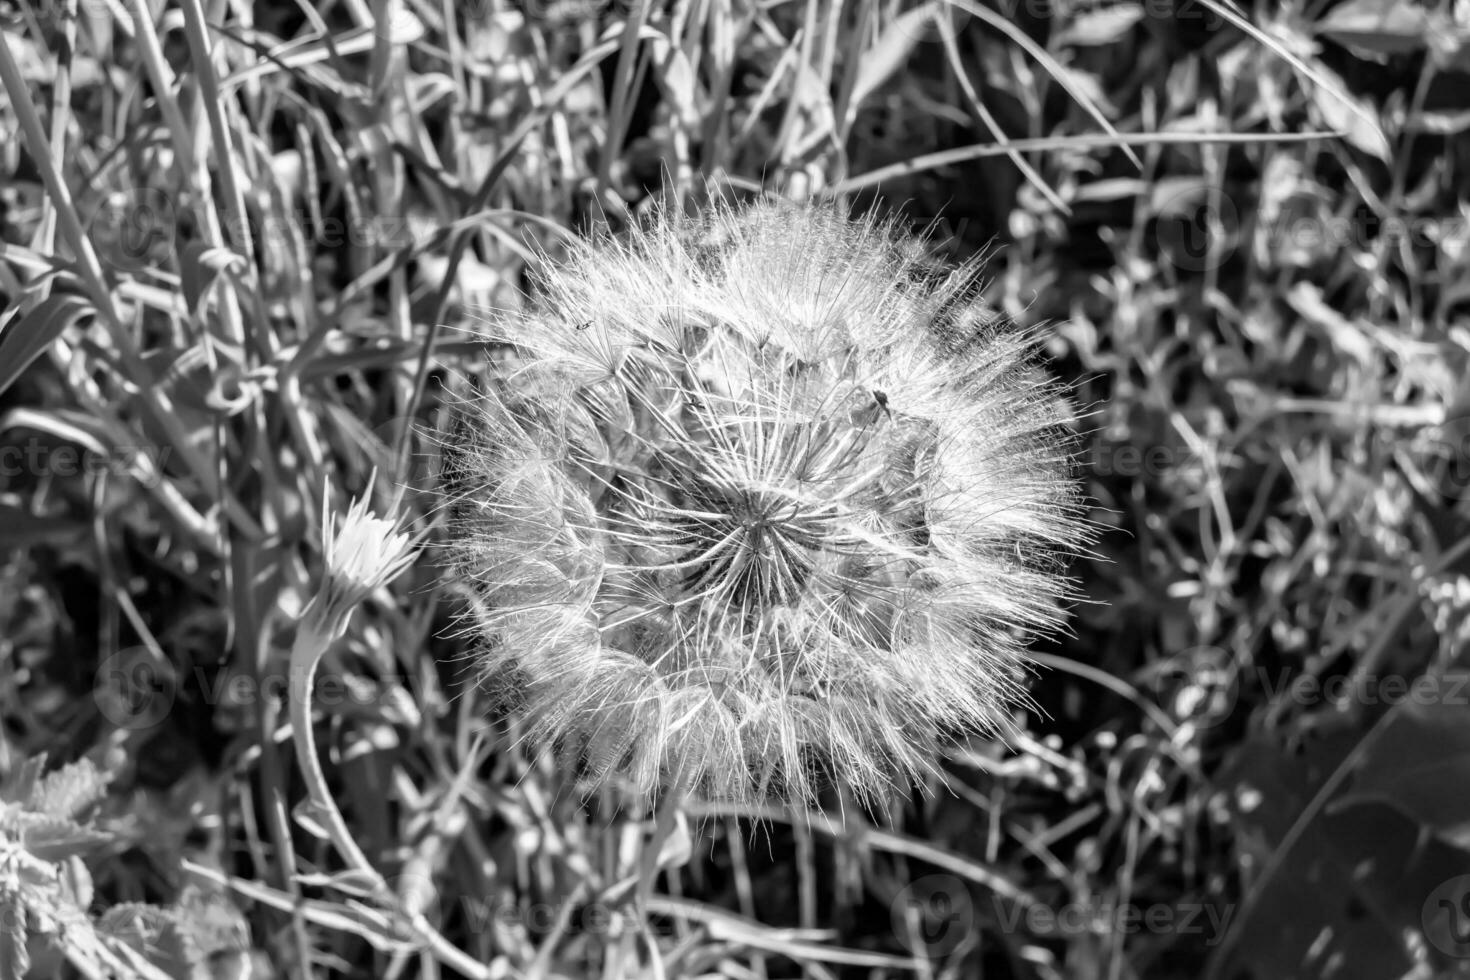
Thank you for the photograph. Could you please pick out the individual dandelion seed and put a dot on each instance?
(753, 509)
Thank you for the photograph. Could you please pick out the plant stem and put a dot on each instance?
(663, 823)
(312, 641)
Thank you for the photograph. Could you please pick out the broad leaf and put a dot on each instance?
(1344, 112)
(1340, 900)
(1375, 28)
(890, 51)
(157, 934)
(1420, 765)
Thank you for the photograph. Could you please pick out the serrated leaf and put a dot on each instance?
(160, 936)
(36, 879)
(213, 920)
(157, 934)
(127, 920)
(70, 790)
(15, 958)
(22, 782)
(56, 838)
(177, 954)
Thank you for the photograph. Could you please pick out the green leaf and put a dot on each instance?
(133, 922)
(199, 267)
(76, 883)
(1440, 122)
(1344, 112)
(1346, 890)
(56, 838)
(1102, 26)
(677, 83)
(890, 52)
(212, 919)
(22, 781)
(29, 334)
(70, 790)
(157, 934)
(1420, 765)
(1377, 28)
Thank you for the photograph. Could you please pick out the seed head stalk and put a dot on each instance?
(365, 553)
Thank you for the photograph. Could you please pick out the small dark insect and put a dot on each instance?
(869, 414)
(881, 397)
(583, 326)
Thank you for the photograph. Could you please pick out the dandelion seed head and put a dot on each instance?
(743, 506)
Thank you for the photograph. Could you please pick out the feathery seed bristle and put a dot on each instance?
(747, 507)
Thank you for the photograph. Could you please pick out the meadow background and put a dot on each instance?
(239, 244)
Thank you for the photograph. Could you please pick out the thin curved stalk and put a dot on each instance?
(311, 643)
